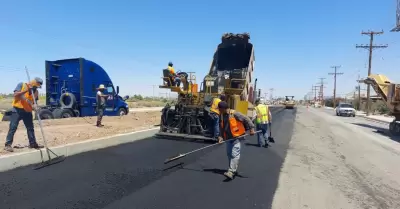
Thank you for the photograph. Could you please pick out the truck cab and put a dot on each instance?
(71, 88)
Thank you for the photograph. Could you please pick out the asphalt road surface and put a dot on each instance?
(339, 162)
(134, 176)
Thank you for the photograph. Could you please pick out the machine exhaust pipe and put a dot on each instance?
(255, 91)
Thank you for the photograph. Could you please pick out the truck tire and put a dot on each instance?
(65, 97)
(77, 113)
(44, 114)
(62, 113)
(121, 112)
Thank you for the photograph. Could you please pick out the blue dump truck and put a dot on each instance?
(71, 87)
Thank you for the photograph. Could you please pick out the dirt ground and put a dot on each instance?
(69, 130)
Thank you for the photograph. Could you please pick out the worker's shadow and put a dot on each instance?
(217, 171)
(256, 145)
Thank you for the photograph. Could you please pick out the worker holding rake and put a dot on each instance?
(233, 124)
(23, 105)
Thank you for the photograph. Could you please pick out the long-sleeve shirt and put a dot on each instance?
(248, 124)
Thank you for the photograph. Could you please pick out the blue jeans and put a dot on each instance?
(233, 153)
(177, 81)
(27, 118)
(214, 124)
(263, 128)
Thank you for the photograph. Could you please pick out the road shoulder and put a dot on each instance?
(332, 165)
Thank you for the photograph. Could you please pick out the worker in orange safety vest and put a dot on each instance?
(175, 78)
(22, 107)
(233, 124)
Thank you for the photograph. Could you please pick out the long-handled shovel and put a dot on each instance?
(270, 138)
(50, 161)
(196, 150)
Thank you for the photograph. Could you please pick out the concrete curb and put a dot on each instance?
(13, 161)
(373, 119)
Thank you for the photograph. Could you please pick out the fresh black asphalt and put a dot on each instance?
(133, 176)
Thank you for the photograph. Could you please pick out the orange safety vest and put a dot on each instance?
(171, 70)
(22, 103)
(237, 127)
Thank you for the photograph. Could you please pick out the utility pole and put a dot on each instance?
(397, 27)
(359, 92)
(315, 88)
(154, 86)
(271, 91)
(321, 91)
(334, 83)
(370, 47)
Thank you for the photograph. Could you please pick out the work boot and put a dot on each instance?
(8, 148)
(35, 146)
(266, 145)
(229, 174)
(99, 124)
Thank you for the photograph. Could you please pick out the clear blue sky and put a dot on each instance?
(295, 42)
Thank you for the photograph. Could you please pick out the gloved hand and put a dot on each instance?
(252, 132)
(220, 139)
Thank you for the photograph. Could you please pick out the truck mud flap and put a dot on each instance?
(183, 137)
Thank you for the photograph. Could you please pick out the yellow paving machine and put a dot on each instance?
(230, 73)
(289, 102)
(390, 93)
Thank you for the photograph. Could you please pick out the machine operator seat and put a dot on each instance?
(167, 78)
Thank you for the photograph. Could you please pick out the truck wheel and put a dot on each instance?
(63, 113)
(44, 114)
(121, 112)
(67, 100)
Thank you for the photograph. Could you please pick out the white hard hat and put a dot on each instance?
(101, 86)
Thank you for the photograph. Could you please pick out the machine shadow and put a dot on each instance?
(379, 130)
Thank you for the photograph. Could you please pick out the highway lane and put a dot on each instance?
(379, 129)
(134, 176)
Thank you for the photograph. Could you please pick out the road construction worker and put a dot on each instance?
(233, 124)
(175, 78)
(214, 115)
(262, 116)
(101, 104)
(22, 107)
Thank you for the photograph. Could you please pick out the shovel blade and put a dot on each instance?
(52, 161)
(174, 158)
(271, 139)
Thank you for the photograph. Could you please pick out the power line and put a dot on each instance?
(334, 83)
(370, 48)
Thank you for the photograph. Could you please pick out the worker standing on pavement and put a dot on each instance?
(23, 105)
(262, 116)
(214, 115)
(101, 104)
(175, 78)
(233, 124)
